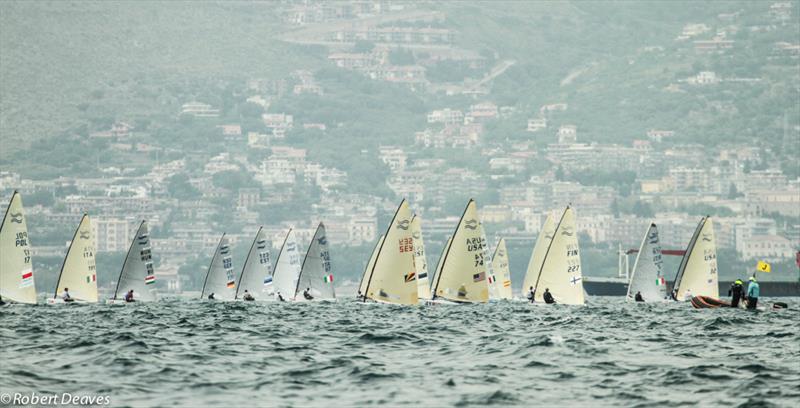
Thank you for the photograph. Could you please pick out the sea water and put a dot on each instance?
(607, 353)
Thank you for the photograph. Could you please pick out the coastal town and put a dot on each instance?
(260, 153)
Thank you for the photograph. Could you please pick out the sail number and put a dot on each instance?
(22, 239)
(406, 245)
(475, 244)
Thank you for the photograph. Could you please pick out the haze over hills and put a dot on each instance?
(315, 104)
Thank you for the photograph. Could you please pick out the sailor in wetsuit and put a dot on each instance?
(548, 297)
(211, 296)
(532, 295)
(307, 294)
(66, 296)
(639, 297)
(736, 292)
(280, 297)
(247, 296)
(129, 296)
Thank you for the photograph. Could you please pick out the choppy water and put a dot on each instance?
(608, 353)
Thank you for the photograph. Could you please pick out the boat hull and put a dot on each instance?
(708, 302)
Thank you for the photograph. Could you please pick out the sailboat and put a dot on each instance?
(561, 268)
(16, 269)
(316, 278)
(287, 268)
(537, 254)
(462, 278)
(420, 260)
(257, 268)
(79, 273)
(393, 278)
(362, 286)
(220, 278)
(137, 270)
(697, 273)
(500, 280)
(646, 277)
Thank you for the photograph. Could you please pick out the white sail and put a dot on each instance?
(16, 269)
(647, 277)
(257, 269)
(500, 285)
(561, 270)
(362, 286)
(315, 273)
(287, 268)
(698, 269)
(137, 270)
(537, 254)
(420, 260)
(220, 278)
(393, 277)
(463, 274)
(78, 273)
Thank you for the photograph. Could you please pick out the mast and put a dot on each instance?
(389, 229)
(549, 245)
(130, 249)
(75, 235)
(244, 267)
(216, 250)
(439, 275)
(310, 245)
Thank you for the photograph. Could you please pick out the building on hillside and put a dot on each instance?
(394, 157)
(114, 234)
(567, 134)
(199, 110)
(536, 124)
(446, 116)
(774, 248)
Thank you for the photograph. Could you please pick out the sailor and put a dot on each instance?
(736, 292)
(211, 296)
(548, 297)
(307, 294)
(752, 293)
(129, 296)
(531, 294)
(66, 297)
(639, 297)
(688, 295)
(280, 297)
(359, 296)
(247, 296)
(462, 291)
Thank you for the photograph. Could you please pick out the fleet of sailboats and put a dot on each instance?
(396, 272)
